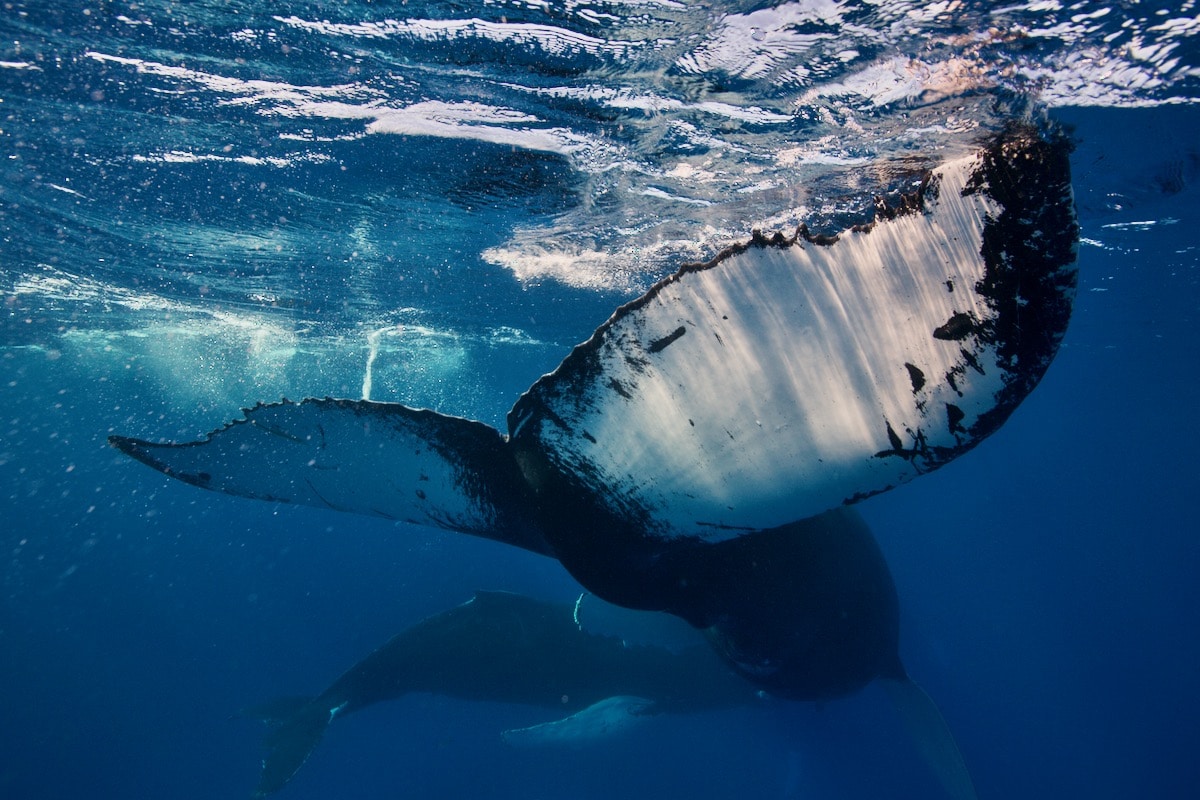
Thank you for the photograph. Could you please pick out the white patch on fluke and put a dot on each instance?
(769, 382)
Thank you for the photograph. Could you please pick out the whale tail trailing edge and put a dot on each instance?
(931, 735)
(297, 725)
(379, 459)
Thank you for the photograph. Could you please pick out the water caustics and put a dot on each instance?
(320, 168)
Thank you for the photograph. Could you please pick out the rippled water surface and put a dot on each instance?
(204, 205)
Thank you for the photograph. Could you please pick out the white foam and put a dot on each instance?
(550, 39)
(902, 79)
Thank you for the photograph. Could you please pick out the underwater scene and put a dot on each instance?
(600, 398)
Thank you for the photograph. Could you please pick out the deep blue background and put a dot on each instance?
(1048, 582)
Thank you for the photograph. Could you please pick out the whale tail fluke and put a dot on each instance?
(379, 459)
(931, 735)
(297, 725)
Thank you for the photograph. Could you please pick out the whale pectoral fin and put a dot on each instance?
(600, 721)
(380, 459)
(932, 736)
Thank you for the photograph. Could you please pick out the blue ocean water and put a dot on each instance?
(206, 205)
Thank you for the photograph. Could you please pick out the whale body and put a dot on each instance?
(502, 647)
(499, 647)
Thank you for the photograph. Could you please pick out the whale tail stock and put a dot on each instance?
(930, 733)
(296, 727)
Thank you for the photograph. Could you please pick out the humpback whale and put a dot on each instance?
(503, 647)
(668, 461)
(843, 625)
(786, 377)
